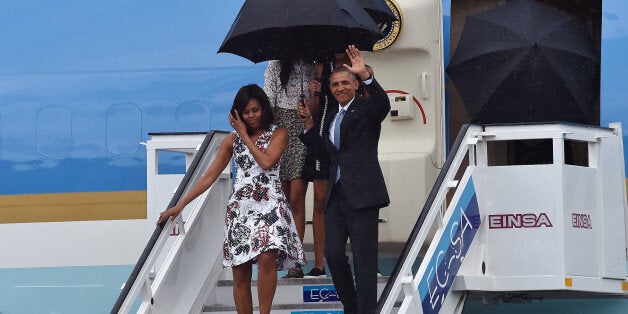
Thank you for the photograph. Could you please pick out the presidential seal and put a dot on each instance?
(391, 30)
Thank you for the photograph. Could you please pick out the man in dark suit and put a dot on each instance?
(356, 189)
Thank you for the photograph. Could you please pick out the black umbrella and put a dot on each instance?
(526, 61)
(292, 29)
(379, 11)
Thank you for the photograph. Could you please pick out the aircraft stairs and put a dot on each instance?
(518, 212)
(180, 270)
(491, 228)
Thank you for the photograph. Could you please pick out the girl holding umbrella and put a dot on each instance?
(283, 83)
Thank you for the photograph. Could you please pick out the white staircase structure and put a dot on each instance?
(177, 274)
(554, 228)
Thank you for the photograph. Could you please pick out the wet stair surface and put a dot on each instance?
(298, 295)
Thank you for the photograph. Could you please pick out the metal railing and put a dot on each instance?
(139, 281)
(402, 273)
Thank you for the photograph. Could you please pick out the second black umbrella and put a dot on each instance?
(526, 61)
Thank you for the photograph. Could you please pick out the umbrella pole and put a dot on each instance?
(302, 96)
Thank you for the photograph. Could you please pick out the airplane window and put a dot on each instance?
(123, 130)
(54, 131)
(192, 116)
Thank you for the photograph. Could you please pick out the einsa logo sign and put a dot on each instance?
(508, 221)
(581, 221)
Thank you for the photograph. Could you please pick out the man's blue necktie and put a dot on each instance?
(341, 114)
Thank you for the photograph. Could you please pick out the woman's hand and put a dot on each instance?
(305, 115)
(172, 212)
(315, 87)
(237, 124)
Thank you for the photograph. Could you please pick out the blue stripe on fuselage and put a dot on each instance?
(98, 153)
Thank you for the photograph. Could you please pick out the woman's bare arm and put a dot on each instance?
(269, 157)
(205, 181)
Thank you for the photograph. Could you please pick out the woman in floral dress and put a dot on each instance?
(259, 227)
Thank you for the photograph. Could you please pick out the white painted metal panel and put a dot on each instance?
(613, 198)
(582, 222)
(513, 194)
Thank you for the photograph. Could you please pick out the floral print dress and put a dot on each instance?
(284, 99)
(258, 217)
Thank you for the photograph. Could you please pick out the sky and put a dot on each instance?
(114, 34)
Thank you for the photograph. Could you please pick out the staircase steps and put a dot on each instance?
(307, 295)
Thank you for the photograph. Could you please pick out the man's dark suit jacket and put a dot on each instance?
(362, 178)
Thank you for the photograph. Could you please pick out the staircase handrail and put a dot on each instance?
(123, 298)
(388, 296)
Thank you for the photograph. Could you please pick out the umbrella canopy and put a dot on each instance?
(379, 11)
(526, 61)
(299, 29)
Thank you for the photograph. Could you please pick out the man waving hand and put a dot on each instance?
(356, 189)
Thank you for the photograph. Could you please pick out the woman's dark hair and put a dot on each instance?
(284, 73)
(242, 98)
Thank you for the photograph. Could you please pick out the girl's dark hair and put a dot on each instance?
(284, 73)
(242, 98)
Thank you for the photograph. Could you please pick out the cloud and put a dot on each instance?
(614, 19)
(610, 16)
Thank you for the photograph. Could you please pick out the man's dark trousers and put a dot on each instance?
(341, 222)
